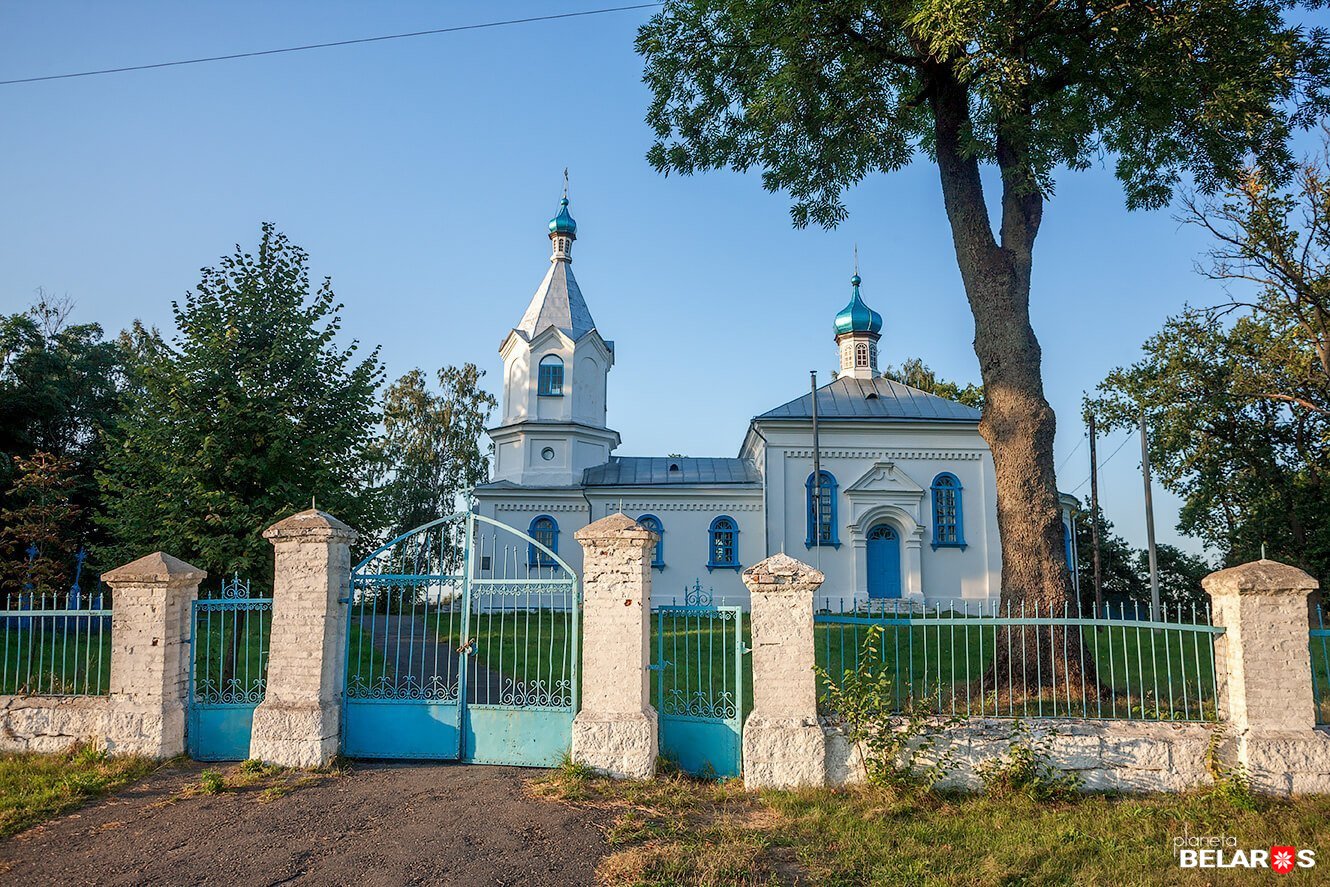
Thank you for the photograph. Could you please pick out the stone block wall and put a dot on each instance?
(1124, 756)
(53, 723)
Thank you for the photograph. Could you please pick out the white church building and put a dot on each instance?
(907, 503)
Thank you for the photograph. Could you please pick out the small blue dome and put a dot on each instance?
(563, 223)
(857, 317)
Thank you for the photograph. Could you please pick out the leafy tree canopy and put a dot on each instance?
(36, 526)
(818, 94)
(1238, 394)
(431, 444)
(915, 373)
(60, 387)
(249, 413)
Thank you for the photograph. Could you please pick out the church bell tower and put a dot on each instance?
(555, 368)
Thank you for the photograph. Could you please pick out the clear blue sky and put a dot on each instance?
(420, 175)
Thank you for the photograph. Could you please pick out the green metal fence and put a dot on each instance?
(982, 659)
(56, 644)
(1320, 653)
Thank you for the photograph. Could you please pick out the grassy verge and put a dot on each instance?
(673, 830)
(38, 787)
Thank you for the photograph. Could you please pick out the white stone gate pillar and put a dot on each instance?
(150, 614)
(1263, 670)
(783, 743)
(298, 724)
(615, 732)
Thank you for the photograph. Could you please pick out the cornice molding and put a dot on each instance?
(890, 455)
(652, 507)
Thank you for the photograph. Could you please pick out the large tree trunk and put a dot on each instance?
(1017, 423)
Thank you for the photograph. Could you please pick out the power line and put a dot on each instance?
(1073, 452)
(261, 52)
(1104, 463)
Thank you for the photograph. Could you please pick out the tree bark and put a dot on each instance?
(1018, 423)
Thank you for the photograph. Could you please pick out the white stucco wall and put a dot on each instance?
(893, 465)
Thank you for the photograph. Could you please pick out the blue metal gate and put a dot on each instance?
(228, 672)
(701, 668)
(462, 644)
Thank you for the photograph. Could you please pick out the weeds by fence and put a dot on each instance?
(56, 644)
(982, 659)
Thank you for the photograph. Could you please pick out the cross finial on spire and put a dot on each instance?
(856, 259)
(565, 181)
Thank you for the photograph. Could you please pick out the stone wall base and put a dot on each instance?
(53, 723)
(619, 745)
(783, 752)
(301, 736)
(152, 731)
(1107, 755)
(1287, 763)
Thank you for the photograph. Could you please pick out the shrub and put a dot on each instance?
(1026, 769)
(899, 750)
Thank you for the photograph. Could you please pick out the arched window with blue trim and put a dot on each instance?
(948, 515)
(822, 524)
(550, 379)
(545, 530)
(652, 523)
(723, 536)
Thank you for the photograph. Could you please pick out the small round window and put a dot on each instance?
(547, 454)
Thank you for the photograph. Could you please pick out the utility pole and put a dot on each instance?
(1094, 523)
(817, 478)
(1150, 523)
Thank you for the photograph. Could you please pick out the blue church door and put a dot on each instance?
(884, 562)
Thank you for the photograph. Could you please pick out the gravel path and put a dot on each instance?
(382, 824)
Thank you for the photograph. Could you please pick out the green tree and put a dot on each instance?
(1249, 468)
(252, 411)
(432, 444)
(36, 526)
(60, 387)
(1118, 567)
(915, 373)
(818, 94)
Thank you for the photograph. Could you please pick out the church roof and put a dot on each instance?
(849, 398)
(558, 302)
(639, 471)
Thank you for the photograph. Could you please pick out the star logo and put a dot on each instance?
(1281, 859)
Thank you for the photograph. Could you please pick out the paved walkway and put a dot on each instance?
(388, 824)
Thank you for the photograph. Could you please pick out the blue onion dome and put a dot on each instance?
(563, 223)
(857, 317)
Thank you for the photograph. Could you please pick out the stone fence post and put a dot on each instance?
(1263, 671)
(615, 732)
(298, 723)
(783, 742)
(150, 615)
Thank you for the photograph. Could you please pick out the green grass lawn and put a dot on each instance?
(673, 830)
(230, 646)
(37, 787)
(55, 657)
(1141, 673)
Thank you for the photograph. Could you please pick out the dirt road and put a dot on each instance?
(381, 824)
